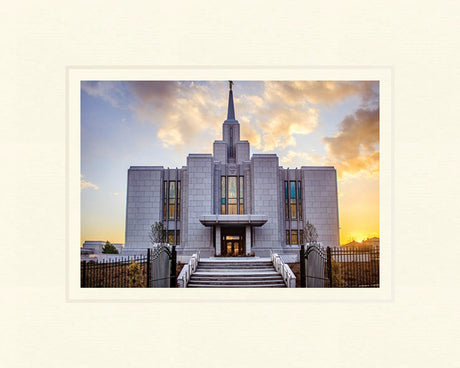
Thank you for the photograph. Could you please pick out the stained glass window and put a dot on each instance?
(232, 196)
(178, 201)
(165, 200)
(231, 142)
(293, 200)
(241, 195)
(300, 198)
(171, 237)
(286, 200)
(172, 199)
(224, 196)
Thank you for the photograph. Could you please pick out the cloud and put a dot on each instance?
(355, 148)
(316, 92)
(249, 133)
(111, 92)
(274, 125)
(86, 184)
(282, 124)
(185, 114)
(286, 109)
(179, 110)
(298, 159)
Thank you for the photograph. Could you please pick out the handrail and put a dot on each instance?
(283, 269)
(188, 270)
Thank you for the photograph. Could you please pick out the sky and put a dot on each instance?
(158, 123)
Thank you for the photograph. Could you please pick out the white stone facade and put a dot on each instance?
(202, 208)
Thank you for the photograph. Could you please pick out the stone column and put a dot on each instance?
(248, 239)
(218, 241)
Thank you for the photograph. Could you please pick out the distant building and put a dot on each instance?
(96, 246)
(371, 242)
(230, 203)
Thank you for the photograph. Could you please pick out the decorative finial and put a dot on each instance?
(231, 84)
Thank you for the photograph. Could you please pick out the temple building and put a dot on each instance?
(230, 203)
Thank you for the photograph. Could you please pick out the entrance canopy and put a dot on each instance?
(233, 220)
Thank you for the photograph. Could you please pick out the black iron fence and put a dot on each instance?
(339, 266)
(155, 269)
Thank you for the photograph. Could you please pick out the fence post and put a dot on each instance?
(83, 274)
(303, 280)
(173, 279)
(149, 270)
(329, 266)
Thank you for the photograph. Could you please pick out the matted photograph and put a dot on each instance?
(230, 184)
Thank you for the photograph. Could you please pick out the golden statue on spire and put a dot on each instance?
(231, 84)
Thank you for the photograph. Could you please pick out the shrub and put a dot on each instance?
(109, 248)
(337, 279)
(135, 275)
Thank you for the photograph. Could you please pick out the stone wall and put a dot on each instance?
(199, 201)
(265, 201)
(242, 151)
(220, 151)
(320, 202)
(143, 204)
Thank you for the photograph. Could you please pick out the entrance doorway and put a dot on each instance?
(233, 242)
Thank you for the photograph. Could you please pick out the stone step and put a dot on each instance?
(239, 282)
(236, 270)
(236, 273)
(237, 278)
(267, 272)
(234, 266)
(237, 264)
(237, 286)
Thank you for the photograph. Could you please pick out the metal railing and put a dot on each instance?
(339, 266)
(115, 273)
(131, 271)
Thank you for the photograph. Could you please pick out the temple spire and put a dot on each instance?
(231, 108)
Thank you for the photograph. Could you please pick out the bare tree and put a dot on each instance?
(310, 235)
(157, 233)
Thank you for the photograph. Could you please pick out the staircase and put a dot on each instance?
(236, 273)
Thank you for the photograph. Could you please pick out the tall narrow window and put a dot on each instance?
(241, 195)
(294, 239)
(224, 196)
(232, 196)
(178, 201)
(171, 237)
(231, 142)
(288, 240)
(172, 199)
(286, 200)
(165, 200)
(299, 195)
(293, 201)
(177, 237)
